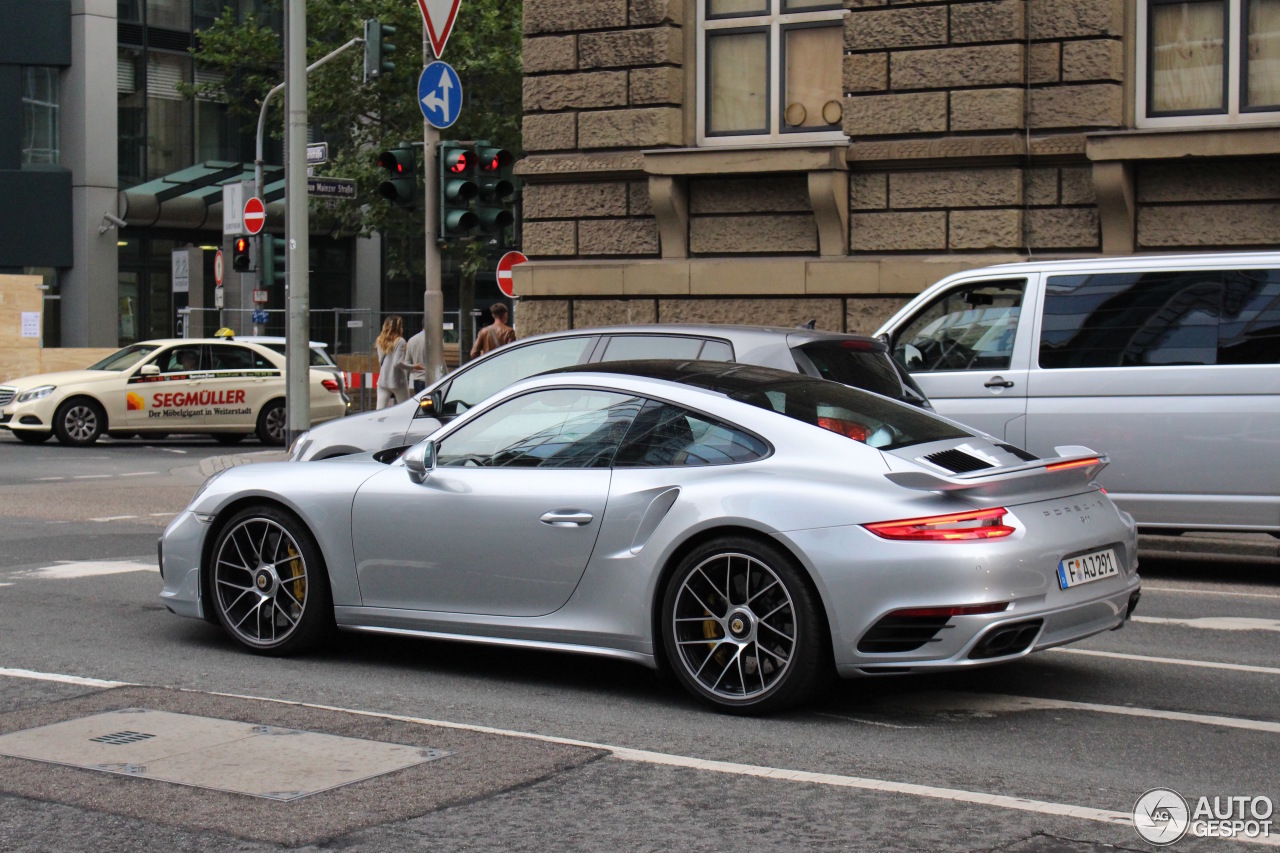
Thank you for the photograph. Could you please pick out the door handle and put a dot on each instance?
(566, 518)
(998, 382)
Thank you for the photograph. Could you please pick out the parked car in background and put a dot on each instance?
(1172, 363)
(853, 360)
(227, 388)
(753, 530)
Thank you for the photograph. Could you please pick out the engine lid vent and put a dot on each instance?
(957, 461)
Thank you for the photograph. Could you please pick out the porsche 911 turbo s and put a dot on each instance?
(750, 529)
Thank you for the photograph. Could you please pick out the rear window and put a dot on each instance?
(319, 358)
(853, 365)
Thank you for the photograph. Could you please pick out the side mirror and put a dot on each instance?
(420, 460)
(427, 407)
(149, 370)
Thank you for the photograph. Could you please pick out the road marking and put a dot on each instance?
(1146, 587)
(94, 476)
(138, 474)
(114, 518)
(1207, 664)
(864, 722)
(163, 514)
(173, 450)
(644, 756)
(48, 479)
(1215, 623)
(69, 569)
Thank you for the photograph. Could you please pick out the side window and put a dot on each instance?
(1162, 318)
(969, 328)
(180, 360)
(628, 347)
(226, 357)
(557, 428)
(716, 351)
(665, 435)
(511, 364)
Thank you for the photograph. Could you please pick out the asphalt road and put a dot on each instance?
(556, 752)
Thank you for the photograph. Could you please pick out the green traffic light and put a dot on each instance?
(376, 48)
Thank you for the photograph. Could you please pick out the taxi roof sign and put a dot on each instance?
(224, 332)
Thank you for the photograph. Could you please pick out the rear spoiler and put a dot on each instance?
(1074, 468)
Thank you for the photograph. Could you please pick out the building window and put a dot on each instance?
(169, 114)
(770, 71)
(40, 98)
(1208, 62)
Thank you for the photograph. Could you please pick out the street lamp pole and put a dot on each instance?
(297, 279)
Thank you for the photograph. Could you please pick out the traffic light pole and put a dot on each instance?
(433, 295)
(297, 228)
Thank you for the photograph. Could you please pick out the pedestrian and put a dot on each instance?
(415, 352)
(496, 334)
(393, 370)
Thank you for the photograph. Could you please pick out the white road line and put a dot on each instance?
(163, 514)
(864, 722)
(63, 679)
(114, 518)
(1206, 664)
(137, 474)
(1215, 623)
(48, 479)
(69, 570)
(93, 476)
(173, 450)
(666, 759)
(1146, 587)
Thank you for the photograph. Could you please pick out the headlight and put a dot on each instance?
(36, 393)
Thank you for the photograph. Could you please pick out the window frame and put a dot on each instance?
(1235, 65)
(775, 21)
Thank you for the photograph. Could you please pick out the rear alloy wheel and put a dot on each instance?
(271, 426)
(743, 630)
(270, 590)
(79, 422)
(27, 436)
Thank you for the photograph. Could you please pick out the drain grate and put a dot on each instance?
(121, 738)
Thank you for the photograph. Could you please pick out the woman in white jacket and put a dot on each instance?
(393, 370)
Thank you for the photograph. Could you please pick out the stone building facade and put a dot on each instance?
(967, 132)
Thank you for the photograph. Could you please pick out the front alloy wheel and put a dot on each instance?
(742, 628)
(79, 423)
(268, 583)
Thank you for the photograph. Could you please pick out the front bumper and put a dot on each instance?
(179, 551)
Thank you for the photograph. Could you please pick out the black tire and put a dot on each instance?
(27, 436)
(79, 422)
(271, 425)
(265, 557)
(122, 436)
(752, 641)
(229, 437)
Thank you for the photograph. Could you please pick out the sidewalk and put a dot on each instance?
(1244, 547)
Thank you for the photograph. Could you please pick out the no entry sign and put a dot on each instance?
(255, 215)
(505, 282)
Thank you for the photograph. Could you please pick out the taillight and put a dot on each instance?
(978, 524)
(849, 429)
(948, 612)
(864, 346)
(330, 385)
(1074, 463)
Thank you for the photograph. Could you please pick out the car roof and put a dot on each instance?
(268, 339)
(707, 375)
(1146, 262)
(713, 330)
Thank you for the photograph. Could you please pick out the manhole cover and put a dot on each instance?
(277, 763)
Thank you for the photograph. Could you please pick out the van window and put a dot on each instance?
(1167, 317)
(969, 328)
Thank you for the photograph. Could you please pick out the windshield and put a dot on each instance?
(125, 358)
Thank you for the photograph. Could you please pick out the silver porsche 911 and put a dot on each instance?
(751, 529)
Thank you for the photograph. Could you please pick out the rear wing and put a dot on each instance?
(1071, 472)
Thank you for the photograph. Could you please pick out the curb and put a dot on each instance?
(1245, 546)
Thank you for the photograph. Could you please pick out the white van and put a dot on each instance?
(1169, 364)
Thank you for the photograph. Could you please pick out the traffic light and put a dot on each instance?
(376, 48)
(272, 260)
(242, 255)
(496, 188)
(457, 164)
(400, 184)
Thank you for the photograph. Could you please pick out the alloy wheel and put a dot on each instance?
(261, 582)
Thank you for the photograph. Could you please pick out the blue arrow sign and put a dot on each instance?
(440, 94)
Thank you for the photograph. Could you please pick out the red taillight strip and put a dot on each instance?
(986, 524)
(330, 385)
(965, 610)
(1074, 463)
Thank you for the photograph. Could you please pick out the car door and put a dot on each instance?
(168, 401)
(505, 524)
(240, 381)
(968, 348)
(476, 382)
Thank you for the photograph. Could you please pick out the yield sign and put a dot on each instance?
(255, 215)
(505, 281)
(439, 16)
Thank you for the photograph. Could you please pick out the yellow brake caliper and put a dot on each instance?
(300, 583)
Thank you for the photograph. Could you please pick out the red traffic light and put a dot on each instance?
(461, 165)
(242, 245)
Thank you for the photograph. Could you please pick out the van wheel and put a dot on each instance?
(271, 427)
(79, 422)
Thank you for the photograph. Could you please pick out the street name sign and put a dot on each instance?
(439, 16)
(331, 187)
(317, 153)
(440, 94)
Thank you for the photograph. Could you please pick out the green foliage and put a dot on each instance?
(360, 119)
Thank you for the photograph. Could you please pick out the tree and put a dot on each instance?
(360, 119)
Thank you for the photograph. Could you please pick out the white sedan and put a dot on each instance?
(222, 387)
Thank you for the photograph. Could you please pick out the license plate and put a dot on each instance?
(1087, 568)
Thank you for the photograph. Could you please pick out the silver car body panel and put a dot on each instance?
(1191, 446)
(396, 568)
